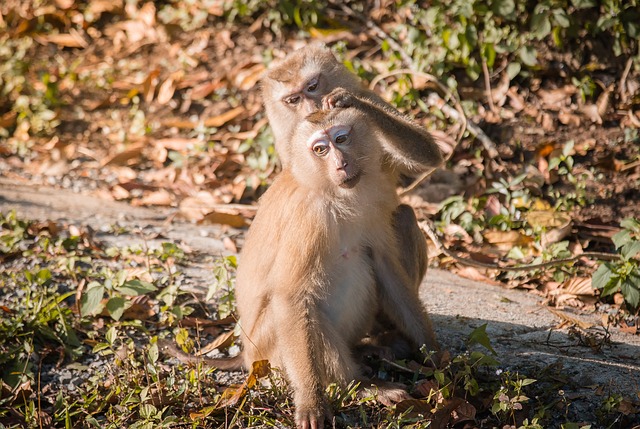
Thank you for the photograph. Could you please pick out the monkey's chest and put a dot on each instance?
(350, 299)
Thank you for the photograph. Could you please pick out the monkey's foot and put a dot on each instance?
(385, 392)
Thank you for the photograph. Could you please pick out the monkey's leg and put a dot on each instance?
(385, 341)
(399, 303)
(312, 353)
(412, 247)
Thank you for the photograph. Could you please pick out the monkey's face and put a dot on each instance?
(333, 151)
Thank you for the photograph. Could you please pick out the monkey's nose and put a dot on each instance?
(341, 164)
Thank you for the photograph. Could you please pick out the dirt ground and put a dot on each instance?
(579, 368)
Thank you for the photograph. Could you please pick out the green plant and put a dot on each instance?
(624, 275)
(224, 284)
(563, 164)
(510, 397)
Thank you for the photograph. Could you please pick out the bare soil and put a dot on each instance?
(577, 369)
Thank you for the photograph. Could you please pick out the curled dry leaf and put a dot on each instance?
(567, 319)
(166, 91)
(232, 395)
(223, 341)
(556, 99)
(247, 78)
(232, 219)
(573, 292)
(414, 408)
(567, 118)
(133, 152)
(506, 240)
(555, 225)
(160, 197)
(73, 39)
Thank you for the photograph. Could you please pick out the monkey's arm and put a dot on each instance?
(411, 147)
(399, 304)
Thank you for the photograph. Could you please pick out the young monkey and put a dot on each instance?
(320, 257)
(297, 86)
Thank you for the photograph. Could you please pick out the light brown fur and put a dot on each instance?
(320, 258)
(315, 79)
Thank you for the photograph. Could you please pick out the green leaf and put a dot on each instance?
(90, 303)
(153, 353)
(613, 286)
(583, 4)
(136, 287)
(601, 277)
(116, 306)
(513, 69)
(540, 25)
(503, 7)
(631, 224)
(529, 55)
(621, 238)
(527, 381)
(479, 336)
(631, 293)
(630, 250)
(561, 18)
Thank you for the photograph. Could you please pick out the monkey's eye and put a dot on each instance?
(312, 85)
(320, 149)
(342, 138)
(293, 100)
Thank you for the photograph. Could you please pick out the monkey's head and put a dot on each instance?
(293, 88)
(334, 151)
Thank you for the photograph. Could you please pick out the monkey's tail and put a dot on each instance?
(235, 363)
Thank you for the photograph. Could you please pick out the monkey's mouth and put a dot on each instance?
(351, 181)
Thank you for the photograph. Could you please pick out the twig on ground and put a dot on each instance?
(622, 90)
(427, 228)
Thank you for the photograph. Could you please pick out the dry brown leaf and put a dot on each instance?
(166, 91)
(570, 320)
(194, 208)
(231, 219)
(204, 89)
(230, 245)
(120, 193)
(445, 142)
(232, 395)
(567, 118)
(472, 273)
(8, 119)
(223, 341)
(132, 152)
(149, 85)
(633, 330)
(178, 143)
(516, 101)
(160, 197)
(443, 418)
(590, 111)
(217, 121)
(464, 412)
(247, 78)
(555, 224)
(556, 99)
(506, 240)
(141, 309)
(73, 39)
(429, 389)
(417, 406)
(579, 286)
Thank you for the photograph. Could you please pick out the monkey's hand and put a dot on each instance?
(339, 98)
